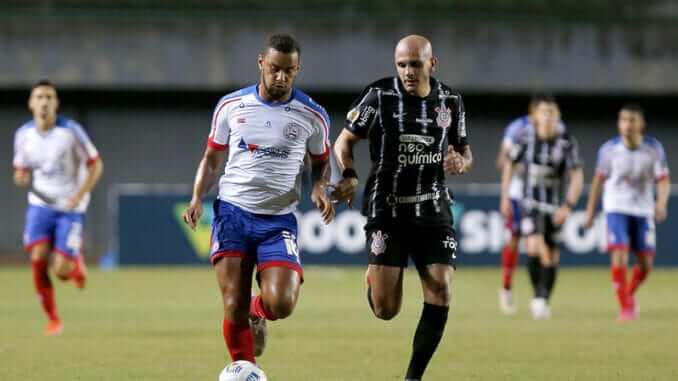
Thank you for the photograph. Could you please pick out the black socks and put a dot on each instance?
(426, 338)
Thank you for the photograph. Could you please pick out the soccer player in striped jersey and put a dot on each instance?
(630, 168)
(266, 130)
(54, 157)
(548, 158)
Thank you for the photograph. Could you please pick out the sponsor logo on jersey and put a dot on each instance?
(262, 151)
(365, 115)
(444, 118)
(353, 114)
(414, 154)
(450, 243)
(399, 115)
(378, 246)
(413, 138)
(242, 120)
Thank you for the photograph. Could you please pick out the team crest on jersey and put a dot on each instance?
(291, 131)
(378, 246)
(444, 118)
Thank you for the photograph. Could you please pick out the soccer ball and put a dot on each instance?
(242, 371)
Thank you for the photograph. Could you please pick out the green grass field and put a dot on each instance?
(165, 324)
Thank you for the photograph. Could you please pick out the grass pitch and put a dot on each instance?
(165, 324)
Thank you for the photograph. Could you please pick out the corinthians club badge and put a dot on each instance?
(378, 242)
(444, 118)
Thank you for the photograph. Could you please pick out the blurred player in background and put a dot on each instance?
(266, 130)
(417, 134)
(628, 168)
(56, 160)
(511, 251)
(548, 158)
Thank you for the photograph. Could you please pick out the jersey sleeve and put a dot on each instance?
(220, 130)
(517, 151)
(512, 132)
(573, 159)
(661, 166)
(363, 113)
(20, 160)
(459, 137)
(318, 144)
(603, 162)
(86, 149)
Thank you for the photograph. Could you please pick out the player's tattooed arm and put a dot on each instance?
(205, 177)
(320, 174)
(343, 152)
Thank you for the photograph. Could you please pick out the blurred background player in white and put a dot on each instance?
(549, 159)
(628, 168)
(55, 158)
(510, 253)
(266, 130)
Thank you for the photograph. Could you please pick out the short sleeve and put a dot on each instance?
(220, 130)
(459, 138)
(517, 151)
(363, 113)
(318, 144)
(20, 160)
(603, 162)
(512, 132)
(86, 149)
(573, 159)
(661, 166)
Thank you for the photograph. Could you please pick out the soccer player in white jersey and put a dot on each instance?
(628, 168)
(266, 130)
(511, 250)
(54, 157)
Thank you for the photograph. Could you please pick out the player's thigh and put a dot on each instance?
(513, 224)
(433, 250)
(436, 282)
(39, 228)
(234, 277)
(385, 287)
(619, 257)
(68, 235)
(229, 236)
(280, 288)
(618, 232)
(643, 236)
(534, 243)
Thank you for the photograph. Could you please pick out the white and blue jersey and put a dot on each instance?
(629, 177)
(260, 188)
(57, 159)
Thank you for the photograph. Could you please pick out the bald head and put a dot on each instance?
(415, 45)
(415, 62)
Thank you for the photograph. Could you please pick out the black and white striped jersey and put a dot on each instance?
(408, 138)
(546, 166)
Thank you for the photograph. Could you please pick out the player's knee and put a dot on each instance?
(234, 308)
(438, 293)
(385, 309)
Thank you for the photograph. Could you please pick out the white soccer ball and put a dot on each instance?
(242, 371)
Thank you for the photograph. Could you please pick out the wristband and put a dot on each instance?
(349, 173)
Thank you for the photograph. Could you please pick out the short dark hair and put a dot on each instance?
(43, 82)
(541, 98)
(634, 107)
(284, 43)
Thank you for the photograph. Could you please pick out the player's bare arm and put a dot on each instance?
(205, 177)
(22, 177)
(343, 152)
(458, 163)
(94, 172)
(594, 196)
(505, 203)
(502, 157)
(320, 174)
(663, 191)
(573, 192)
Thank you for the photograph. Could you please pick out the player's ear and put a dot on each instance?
(260, 61)
(434, 63)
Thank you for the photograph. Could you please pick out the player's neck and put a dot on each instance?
(268, 98)
(422, 91)
(45, 125)
(632, 142)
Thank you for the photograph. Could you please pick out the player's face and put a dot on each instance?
(546, 116)
(44, 103)
(630, 123)
(414, 69)
(278, 72)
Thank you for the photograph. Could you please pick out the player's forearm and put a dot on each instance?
(663, 191)
(94, 172)
(468, 158)
(22, 177)
(506, 175)
(343, 150)
(502, 158)
(320, 172)
(594, 194)
(205, 178)
(575, 187)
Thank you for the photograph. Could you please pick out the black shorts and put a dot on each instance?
(426, 245)
(535, 222)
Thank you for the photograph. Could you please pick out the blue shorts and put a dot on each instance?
(631, 233)
(62, 230)
(513, 224)
(268, 240)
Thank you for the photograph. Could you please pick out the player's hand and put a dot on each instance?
(322, 202)
(660, 213)
(22, 177)
(193, 213)
(454, 163)
(589, 219)
(345, 190)
(505, 208)
(561, 215)
(74, 201)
